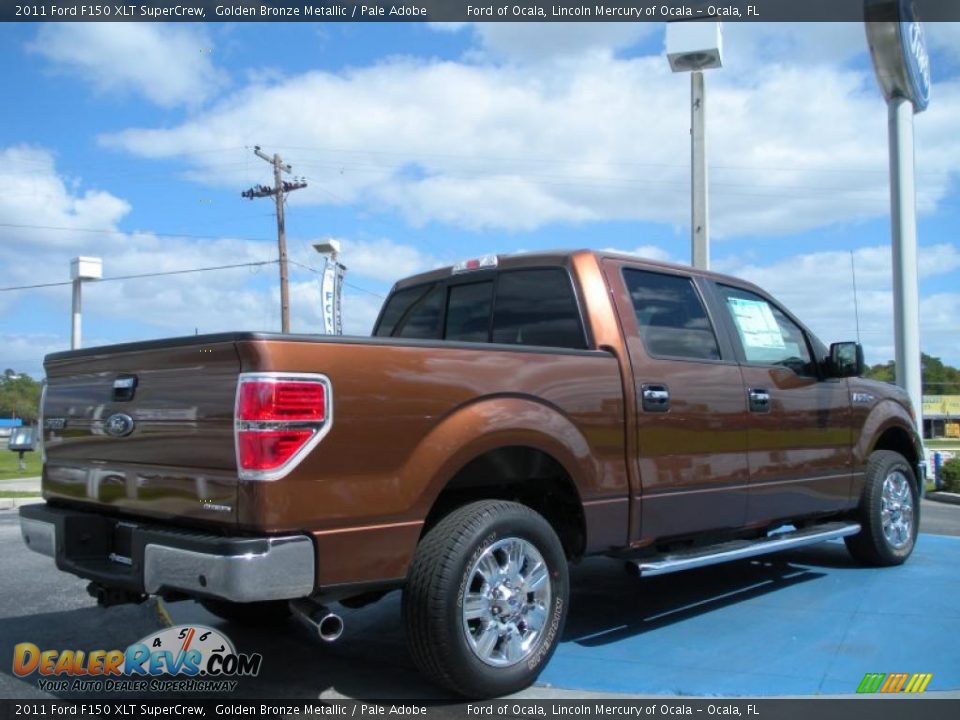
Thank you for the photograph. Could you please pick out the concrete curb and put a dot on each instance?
(14, 503)
(944, 497)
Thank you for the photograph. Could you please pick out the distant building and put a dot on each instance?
(941, 416)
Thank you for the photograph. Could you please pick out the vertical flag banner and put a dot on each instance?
(338, 293)
(330, 302)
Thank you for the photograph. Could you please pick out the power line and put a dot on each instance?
(348, 284)
(146, 275)
(107, 231)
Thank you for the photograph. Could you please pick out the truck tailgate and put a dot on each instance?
(145, 429)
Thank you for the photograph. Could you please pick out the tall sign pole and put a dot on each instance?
(695, 46)
(699, 213)
(280, 187)
(902, 64)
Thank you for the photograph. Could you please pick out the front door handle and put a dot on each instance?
(655, 398)
(759, 400)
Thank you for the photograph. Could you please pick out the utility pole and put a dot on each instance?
(280, 187)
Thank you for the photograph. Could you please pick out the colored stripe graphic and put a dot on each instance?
(871, 682)
(894, 682)
(922, 680)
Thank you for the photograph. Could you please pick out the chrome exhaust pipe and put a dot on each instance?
(326, 624)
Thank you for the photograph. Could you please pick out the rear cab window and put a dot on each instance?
(528, 306)
(671, 317)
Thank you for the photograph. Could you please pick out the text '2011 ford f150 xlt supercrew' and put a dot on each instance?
(509, 415)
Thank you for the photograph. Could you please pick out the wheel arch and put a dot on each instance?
(523, 474)
(888, 427)
(508, 448)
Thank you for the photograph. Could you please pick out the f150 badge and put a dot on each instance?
(118, 425)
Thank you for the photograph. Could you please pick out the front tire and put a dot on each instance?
(889, 512)
(486, 599)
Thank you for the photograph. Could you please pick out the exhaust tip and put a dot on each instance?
(330, 627)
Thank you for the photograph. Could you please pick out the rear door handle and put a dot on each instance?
(655, 398)
(759, 400)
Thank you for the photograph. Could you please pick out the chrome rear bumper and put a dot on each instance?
(156, 559)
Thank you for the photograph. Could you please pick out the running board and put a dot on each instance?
(739, 549)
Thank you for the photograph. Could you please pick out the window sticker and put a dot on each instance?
(758, 328)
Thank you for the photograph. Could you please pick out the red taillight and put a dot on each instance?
(269, 449)
(277, 418)
(278, 400)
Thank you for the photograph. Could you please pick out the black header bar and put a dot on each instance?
(456, 11)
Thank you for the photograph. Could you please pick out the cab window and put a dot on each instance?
(766, 335)
(670, 316)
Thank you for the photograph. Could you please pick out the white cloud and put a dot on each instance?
(36, 321)
(169, 64)
(24, 352)
(514, 146)
(538, 42)
(384, 259)
(647, 252)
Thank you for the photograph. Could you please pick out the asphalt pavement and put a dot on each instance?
(806, 622)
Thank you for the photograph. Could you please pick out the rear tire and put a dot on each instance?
(486, 599)
(254, 614)
(889, 512)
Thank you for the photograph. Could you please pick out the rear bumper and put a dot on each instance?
(153, 559)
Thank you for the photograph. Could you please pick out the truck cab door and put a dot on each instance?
(690, 406)
(799, 424)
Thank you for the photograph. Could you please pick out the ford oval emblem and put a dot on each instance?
(119, 425)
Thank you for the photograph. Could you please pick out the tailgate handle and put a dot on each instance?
(124, 387)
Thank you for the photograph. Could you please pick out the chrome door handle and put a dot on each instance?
(759, 400)
(655, 398)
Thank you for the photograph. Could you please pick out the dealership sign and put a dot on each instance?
(899, 50)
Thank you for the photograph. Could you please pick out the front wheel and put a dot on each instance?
(486, 599)
(889, 512)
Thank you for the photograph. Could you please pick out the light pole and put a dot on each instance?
(900, 59)
(331, 286)
(81, 268)
(695, 46)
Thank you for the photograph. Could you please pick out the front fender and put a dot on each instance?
(883, 416)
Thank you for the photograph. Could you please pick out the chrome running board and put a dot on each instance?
(739, 549)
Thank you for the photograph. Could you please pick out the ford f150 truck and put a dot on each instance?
(509, 415)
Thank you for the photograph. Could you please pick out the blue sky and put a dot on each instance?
(426, 144)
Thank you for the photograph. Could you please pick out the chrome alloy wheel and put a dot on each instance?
(896, 509)
(506, 602)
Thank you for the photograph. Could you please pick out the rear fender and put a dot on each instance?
(487, 425)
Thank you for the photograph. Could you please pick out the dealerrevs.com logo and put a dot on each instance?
(184, 658)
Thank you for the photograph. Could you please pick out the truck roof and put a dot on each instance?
(566, 258)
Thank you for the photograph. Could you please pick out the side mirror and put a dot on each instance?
(846, 360)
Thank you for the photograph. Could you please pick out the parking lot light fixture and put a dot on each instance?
(81, 268)
(695, 46)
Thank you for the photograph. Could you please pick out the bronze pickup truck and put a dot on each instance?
(509, 415)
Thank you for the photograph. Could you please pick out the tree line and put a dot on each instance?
(938, 378)
(19, 396)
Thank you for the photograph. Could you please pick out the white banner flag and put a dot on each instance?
(328, 298)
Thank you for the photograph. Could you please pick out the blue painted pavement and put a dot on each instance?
(804, 622)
